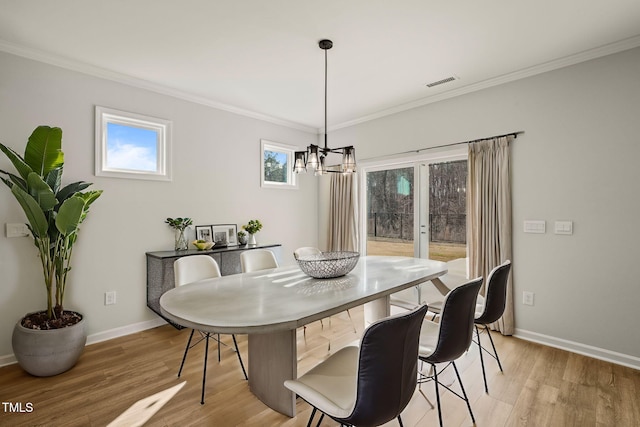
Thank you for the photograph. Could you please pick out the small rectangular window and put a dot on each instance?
(130, 145)
(276, 165)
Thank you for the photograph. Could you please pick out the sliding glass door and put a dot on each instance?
(415, 208)
(390, 211)
(446, 217)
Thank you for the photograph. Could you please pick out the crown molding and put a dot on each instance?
(106, 74)
(84, 68)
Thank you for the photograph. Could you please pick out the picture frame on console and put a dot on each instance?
(204, 232)
(225, 234)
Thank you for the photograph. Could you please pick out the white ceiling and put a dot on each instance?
(261, 57)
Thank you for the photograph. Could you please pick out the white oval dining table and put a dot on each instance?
(269, 305)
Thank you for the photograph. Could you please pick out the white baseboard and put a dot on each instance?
(583, 349)
(10, 359)
(125, 330)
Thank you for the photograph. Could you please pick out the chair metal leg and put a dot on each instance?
(435, 377)
(204, 370)
(495, 352)
(218, 348)
(235, 343)
(320, 420)
(494, 355)
(186, 350)
(400, 421)
(313, 414)
(484, 375)
(420, 381)
(466, 399)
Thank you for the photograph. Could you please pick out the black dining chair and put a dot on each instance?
(495, 301)
(369, 384)
(446, 341)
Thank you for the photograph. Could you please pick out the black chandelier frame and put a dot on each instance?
(313, 159)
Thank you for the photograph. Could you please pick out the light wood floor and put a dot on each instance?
(541, 386)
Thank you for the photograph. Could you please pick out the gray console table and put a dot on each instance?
(160, 276)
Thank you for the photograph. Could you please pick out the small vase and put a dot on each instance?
(181, 240)
(252, 239)
(242, 240)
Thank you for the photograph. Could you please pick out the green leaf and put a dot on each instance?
(14, 180)
(32, 210)
(41, 192)
(71, 189)
(89, 197)
(44, 150)
(54, 180)
(69, 215)
(18, 162)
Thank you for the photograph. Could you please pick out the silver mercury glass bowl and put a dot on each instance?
(327, 265)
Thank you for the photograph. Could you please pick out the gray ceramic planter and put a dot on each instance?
(50, 352)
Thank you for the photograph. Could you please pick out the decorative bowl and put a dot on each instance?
(202, 245)
(327, 265)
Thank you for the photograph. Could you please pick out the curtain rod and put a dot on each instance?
(515, 135)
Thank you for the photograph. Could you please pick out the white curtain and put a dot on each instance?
(489, 215)
(343, 211)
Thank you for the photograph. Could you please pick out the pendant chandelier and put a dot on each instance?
(313, 160)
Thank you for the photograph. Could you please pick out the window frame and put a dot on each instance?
(288, 150)
(163, 128)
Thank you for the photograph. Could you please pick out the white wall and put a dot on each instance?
(216, 180)
(578, 160)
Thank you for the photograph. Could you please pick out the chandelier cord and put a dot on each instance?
(325, 100)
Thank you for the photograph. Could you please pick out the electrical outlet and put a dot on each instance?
(110, 298)
(527, 298)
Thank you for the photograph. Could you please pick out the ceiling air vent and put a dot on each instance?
(441, 82)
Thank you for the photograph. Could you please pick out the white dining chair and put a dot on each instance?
(191, 269)
(257, 259)
(306, 250)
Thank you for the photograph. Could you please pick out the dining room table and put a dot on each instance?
(269, 305)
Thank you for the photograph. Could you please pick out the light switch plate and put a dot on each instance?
(16, 230)
(563, 227)
(534, 226)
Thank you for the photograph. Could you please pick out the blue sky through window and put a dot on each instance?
(131, 148)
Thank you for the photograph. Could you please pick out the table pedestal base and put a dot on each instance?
(376, 310)
(272, 360)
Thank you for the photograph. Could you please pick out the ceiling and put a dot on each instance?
(261, 58)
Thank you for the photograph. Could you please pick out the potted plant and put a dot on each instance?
(50, 341)
(252, 227)
(179, 225)
(242, 237)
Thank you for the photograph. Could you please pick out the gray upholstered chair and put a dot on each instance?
(447, 340)
(257, 259)
(190, 269)
(495, 301)
(369, 384)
